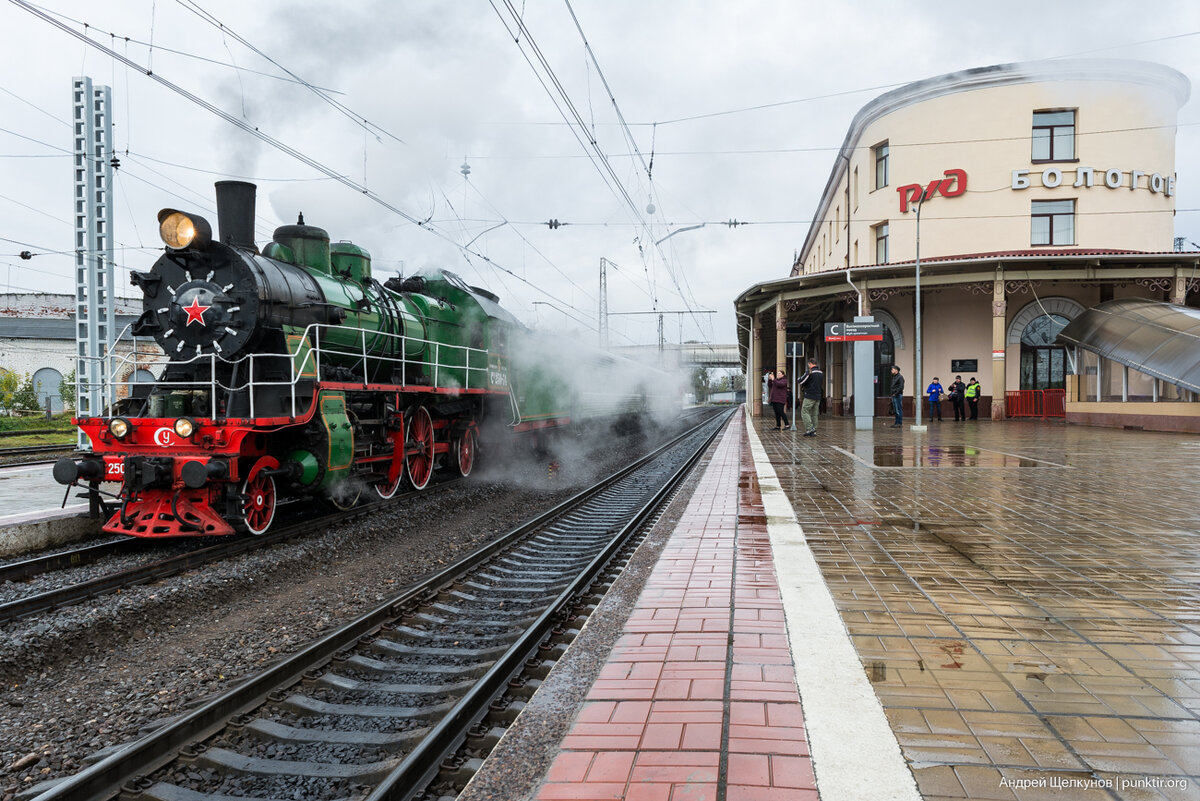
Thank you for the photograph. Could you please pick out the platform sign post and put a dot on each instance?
(864, 332)
(795, 350)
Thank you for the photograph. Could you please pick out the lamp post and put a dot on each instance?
(919, 392)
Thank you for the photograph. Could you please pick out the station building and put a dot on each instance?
(1027, 194)
(37, 338)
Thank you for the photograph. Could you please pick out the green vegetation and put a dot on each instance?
(60, 424)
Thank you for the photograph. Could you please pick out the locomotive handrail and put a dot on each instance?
(317, 352)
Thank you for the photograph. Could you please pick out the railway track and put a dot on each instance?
(195, 553)
(412, 692)
(27, 455)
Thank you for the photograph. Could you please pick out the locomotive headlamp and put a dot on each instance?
(185, 427)
(180, 230)
(119, 427)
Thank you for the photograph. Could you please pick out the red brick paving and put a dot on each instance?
(683, 695)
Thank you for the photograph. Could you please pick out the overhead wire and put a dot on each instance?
(151, 46)
(646, 167)
(562, 101)
(592, 145)
(349, 113)
(272, 141)
(523, 238)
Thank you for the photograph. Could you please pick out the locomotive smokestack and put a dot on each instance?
(235, 213)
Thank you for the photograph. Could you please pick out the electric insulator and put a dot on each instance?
(26, 255)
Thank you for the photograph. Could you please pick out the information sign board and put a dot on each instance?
(853, 332)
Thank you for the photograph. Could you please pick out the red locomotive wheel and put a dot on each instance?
(386, 490)
(465, 453)
(258, 510)
(419, 448)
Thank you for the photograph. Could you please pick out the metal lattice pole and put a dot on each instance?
(95, 302)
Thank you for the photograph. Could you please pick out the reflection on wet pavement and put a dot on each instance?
(946, 456)
(1032, 634)
(942, 456)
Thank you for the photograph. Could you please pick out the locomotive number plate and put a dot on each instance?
(114, 470)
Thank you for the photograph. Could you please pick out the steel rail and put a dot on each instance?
(76, 557)
(21, 450)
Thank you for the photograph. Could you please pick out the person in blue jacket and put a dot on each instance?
(934, 391)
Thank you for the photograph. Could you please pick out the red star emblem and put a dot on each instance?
(195, 312)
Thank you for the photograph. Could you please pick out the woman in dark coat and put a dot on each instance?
(777, 395)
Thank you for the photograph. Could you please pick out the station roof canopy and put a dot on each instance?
(1155, 338)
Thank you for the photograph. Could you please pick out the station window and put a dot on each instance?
(881, 164)
(881, 243)
(1052, 222)
(1054, 135)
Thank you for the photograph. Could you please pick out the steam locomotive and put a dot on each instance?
(292, 373)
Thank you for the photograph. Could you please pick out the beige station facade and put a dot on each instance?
(1035, 191)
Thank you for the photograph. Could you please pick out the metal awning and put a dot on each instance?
(1155, 338)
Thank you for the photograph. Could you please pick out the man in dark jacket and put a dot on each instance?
(957, 392)
(897, 396)
(813, 387)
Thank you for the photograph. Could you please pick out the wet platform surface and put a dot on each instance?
(1023, 596)
(31, 492)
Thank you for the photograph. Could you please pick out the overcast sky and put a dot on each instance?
(732, 112)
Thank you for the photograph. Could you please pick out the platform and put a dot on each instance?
(32, 514)
(31, 489)
(983, 610)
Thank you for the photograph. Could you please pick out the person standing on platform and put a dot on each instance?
(934, 391)
(972, 395)
(813, 388)
(779, 395)
(956, 398)
(897, 396)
